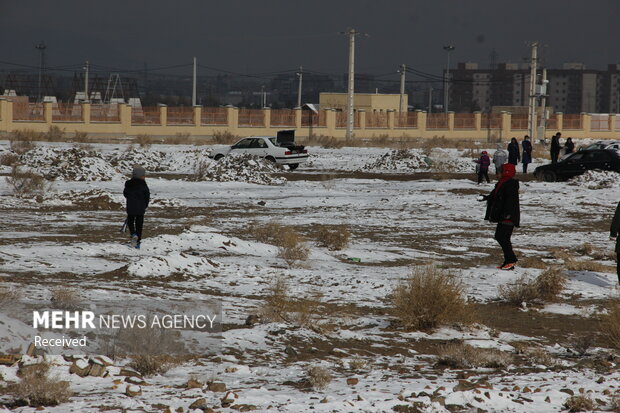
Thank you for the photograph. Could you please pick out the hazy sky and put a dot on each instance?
(274, 35)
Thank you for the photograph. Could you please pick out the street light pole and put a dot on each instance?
(448, 49)
(194, 84)
(300, 74)
(401, 105)
(86, 69)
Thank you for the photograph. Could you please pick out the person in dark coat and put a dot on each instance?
(138, 196)
(503, 208)
(613, 235)
(483, 166)
(554, 151)
(513, 152)
(527, 152)
(569, 146)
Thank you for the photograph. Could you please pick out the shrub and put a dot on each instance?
(428, 298)
(54, 134)
(143, 140)
(149, 365)
(201, 169)
(179, 138)
(358, 364)
(318, 377)
(540, 356)
(573, 265)
(9, 159)
(306, 311)
(291, 247)
(546, 287)
(22, 141)
(26, 183)
(610, 324)
(65, 298)
(37, 389)
(224, 137)
(80, 136)
(579, 403)
(464, 356)
(333, 237)
(266, 233)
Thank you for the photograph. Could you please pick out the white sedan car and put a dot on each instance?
(267, 147)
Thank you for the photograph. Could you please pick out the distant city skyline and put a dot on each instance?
(276, 35)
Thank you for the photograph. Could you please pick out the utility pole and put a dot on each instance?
(263, 97)
(300, 74)
(41, 48)
(86, 69)
(351, 88)
(543, 104)
(401, 104)
(532, 108)
(448, 49)
(194, 84)
(430, 99)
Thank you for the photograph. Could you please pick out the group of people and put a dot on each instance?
(556, 147)
(501, 157)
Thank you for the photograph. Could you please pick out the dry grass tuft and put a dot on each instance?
(291, 245)
(21, 141)
(579, 403)
(8, 295)
(306, 311)
(540, 356)
(9, 159)
(594, 253)
(53, 134)
(36, 388)
(150, 365)
(358, 364)
(225, 137)
(533, 262)
(65, 298)
(610, 323)
(464, 356)
(428, 298)
(201, 170)
(328, 142)
(80, 136)
(319, 377)
(178, 139)
(144, 140)
(546, 287)
(333, 237)
(571, 264)
(26, 183)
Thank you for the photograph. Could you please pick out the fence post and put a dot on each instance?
(86, 113)
(506, 130)
(7, 115)
(298, 114)
(232, 116)
(330, 122)
(585, 123)
(163, 114)
(559, 120)
(266, 117)
(362, 115)
(478, 121)
(47, 113)
(451, 121)
(390, 118)
(421, 121)
(612, 122)
(197, 115)
(124, 115)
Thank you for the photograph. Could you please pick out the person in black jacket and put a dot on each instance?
(569, 146)
(555, 147)
(513, 152)
(613, 235)
(138, 196)
(527, 153)
(503, 208)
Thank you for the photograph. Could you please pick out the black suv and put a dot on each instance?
(579, 162)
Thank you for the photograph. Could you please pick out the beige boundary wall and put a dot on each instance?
(474, 128)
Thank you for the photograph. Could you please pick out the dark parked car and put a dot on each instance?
(579, 162)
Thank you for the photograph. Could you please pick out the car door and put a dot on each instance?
(598, 160)
(571, 166)
(243, 146)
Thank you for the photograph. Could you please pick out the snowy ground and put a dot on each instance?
(197, 243)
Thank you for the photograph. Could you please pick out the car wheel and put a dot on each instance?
(293, 166)
(549, 176)
(271, 159)
(218, 156)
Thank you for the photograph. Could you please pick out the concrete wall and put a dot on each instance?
(365, 101)
(475, 130)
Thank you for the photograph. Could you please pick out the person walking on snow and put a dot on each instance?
(138, 196)
(483, 166)
(554, 151)
(499, 158)
(503, 209)
(527, 152)
(513, 152)
(613, 235)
